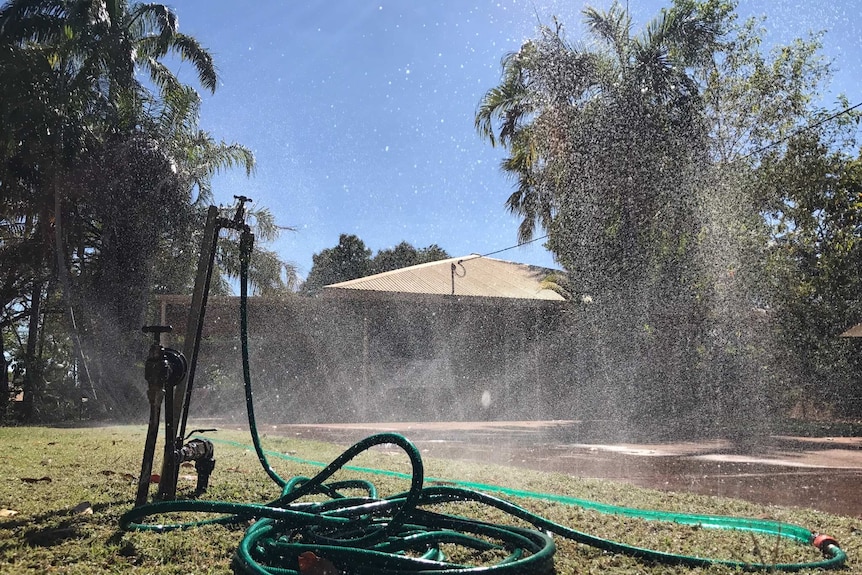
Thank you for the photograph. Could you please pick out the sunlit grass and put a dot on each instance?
(47, 477)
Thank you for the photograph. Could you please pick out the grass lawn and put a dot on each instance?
(62, 492)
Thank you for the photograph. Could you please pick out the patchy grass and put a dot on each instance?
(68, 487)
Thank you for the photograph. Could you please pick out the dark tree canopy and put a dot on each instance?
(645, 158)
(405, 255)
(104, 180)
(351, 259)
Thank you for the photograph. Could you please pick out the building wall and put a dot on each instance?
(385, 358)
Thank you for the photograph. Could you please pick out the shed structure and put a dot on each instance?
(458, 339)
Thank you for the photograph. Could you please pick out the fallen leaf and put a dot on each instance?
(311, 564)
(187, 464)
(83, 508)
(155, 478)
(129, 476)
(8, 513)
(107, 472)
(45, 479)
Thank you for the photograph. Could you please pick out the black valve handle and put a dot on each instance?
(157, 331)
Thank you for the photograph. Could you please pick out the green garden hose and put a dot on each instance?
(400, 535)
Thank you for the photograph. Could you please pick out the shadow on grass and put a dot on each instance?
(54, 527)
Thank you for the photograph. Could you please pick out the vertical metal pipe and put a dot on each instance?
(194, 329)
(194, 326)
(452, 270)
(149, 450)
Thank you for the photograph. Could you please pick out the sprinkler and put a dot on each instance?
(170, 374)
(164, 368)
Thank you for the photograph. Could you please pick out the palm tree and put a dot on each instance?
(514, 105)
(106, 41)
(80, 58)
(550, 87)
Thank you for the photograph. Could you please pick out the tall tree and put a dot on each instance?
(404, 255)
(350, 259)
(97, 168)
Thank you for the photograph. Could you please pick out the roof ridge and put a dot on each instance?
(478, 276)
(416, 266)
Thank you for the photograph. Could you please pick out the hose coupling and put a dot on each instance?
(823, 542)
(201, 452)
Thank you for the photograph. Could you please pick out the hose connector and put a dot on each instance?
(823, 542)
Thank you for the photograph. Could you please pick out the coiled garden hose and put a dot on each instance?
(400, 535)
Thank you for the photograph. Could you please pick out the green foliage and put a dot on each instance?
(752, 98)
(643, 157)
(350, 259)
(816, 257)
(105, 182)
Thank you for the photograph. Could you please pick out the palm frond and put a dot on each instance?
(190, 49)
(155, 21)
(558, 283)
(215, 157)
(507, 103)
(264, 224)
(32, 21)
(613, 27)
(179, 112)
(161, 76)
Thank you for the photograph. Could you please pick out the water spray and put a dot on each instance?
(397, 535)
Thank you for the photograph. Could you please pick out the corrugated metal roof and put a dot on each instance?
(473, 276)
(855, 331)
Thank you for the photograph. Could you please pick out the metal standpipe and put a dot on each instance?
(164, 368)
(176, 391)
(194, 326)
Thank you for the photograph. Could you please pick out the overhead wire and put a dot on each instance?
(801, 130)
(515, 246)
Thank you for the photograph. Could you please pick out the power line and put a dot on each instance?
(477, 256)
(804, 129)
(513, 247)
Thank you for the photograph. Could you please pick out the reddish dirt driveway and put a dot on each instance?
(821, 473)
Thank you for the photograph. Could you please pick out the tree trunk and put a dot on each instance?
(31, 371)
(4, 379)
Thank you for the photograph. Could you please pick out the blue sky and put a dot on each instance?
(360, 113)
